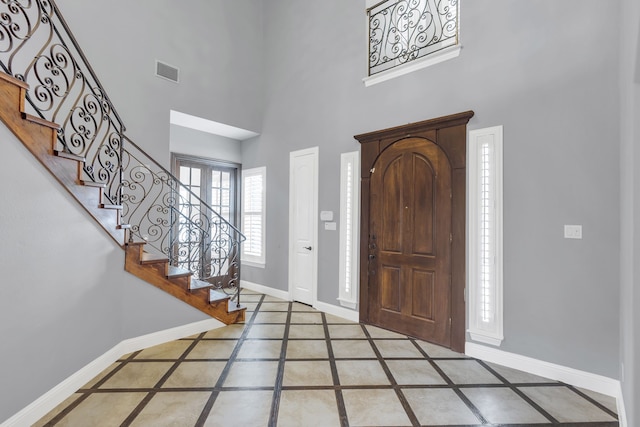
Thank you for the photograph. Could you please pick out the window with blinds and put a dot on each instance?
(253, 216)
(485, 235)
(349, 217)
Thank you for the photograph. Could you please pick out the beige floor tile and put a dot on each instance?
(168, 409)
(260, 349)
(306, 317)
(376, 332)
(374, 408)
(252, 374)
(515, 377)
(171, 350)
(434, 350)
(397, 348)
(565, 405)
(414, 372)
(195, 374)
(503, 406)
(274, 306)
(296, 306)
(361, 372)
(339, 320)
(307, 349)
(439, 407)
(250, 298)
(230, 331)
(55, 411)
(467, 372)
(251, 306)
(346, 331)
(138, 375)
(212, 349)
(102, 410)
(311, 373)
(271, 317)
(352, 349)
(269, 298)
(608, 402)
(240, 408)
(101, 375)
(308, 408)
(306, 331)
(266, 331)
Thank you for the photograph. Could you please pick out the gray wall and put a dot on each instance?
(65, 298)
(544, 70)
(215, 43)
(202, 144)
(630, 207)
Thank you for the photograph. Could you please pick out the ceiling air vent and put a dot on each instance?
(168, 72)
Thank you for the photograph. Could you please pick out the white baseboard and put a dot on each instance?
(276, 293)
(45, 403)
(345, 313)
(574, 377)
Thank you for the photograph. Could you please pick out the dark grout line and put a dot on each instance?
(593, 401)
(225, 372)
(401, 397)
(342, 410)
(452, 386)
(519, 392)
(277, 391)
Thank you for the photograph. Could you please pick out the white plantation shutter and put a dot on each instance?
(253, 215)
(349, 217)
(485, 235)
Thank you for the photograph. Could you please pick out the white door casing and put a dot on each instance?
(303, 225)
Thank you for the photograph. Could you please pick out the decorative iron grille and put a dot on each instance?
(401, 31)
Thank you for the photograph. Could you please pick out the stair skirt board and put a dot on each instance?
(334, 310)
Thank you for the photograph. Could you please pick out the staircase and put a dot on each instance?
(171, 238)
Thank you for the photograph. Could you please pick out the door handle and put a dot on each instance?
(308, 248)
(372, 256)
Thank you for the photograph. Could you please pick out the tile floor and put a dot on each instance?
(290, 365)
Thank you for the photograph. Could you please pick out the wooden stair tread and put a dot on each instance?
(233, 307)
(149, 258)
(198, 284)
(107, 206)
(215, 296)
(174, 272)
(65, 155)
(93, 184)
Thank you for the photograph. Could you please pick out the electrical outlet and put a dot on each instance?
(573, 232)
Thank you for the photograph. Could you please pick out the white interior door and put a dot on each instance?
(303, 225)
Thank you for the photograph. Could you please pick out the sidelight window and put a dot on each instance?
(485, 235)
(253, 216)
(349, 217)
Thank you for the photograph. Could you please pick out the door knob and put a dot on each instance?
(372, 256)
(308, 248)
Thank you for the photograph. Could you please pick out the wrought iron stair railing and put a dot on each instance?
(37, 47)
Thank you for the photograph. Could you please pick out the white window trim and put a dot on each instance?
(483, 330)
(251, 260)
(349, 236)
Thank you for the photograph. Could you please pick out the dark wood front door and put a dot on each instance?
(412, 229)
(410, 240)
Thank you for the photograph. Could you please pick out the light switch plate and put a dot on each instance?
(326, 216)
(330, 226)
(573, 232)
